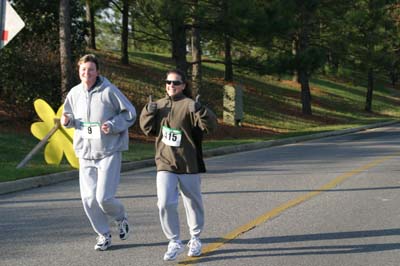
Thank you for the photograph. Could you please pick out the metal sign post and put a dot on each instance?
(2, 19)
(10, 23)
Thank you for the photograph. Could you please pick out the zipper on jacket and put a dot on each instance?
(88, 101)
(170, 115)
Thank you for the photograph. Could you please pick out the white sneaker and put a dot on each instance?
(103, 242)
(175, 248)
(194, 247)
(123, 228)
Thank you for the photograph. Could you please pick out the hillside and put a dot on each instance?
(272, 107)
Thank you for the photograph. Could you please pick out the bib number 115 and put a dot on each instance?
(171, 137)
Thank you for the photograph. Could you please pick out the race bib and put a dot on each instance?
(91, 130)
(171, 137)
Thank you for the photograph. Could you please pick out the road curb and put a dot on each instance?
(45, 180)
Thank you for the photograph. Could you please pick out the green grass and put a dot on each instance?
(139, 151)
(271, 104)
(19, 145)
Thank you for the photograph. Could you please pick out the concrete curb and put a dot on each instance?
(39, 181)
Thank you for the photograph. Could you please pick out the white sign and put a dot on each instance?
(171, 137)
(91, 130)
(12, 25)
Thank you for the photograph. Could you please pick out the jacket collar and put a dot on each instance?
(176, 98)
(101, 82)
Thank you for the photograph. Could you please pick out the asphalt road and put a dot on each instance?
(332, 201)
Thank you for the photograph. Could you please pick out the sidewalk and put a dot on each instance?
(38, 181)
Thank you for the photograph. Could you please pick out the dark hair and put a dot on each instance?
(89, 58)
(188, 89)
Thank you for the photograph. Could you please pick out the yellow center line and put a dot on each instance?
(278, 210)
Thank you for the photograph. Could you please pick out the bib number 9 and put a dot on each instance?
(91, 130)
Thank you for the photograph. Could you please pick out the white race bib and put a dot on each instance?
(171, 137)
(91, 130)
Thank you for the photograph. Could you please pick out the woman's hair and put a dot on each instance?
(188, 89)
(89, 58)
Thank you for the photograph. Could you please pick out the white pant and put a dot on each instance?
(98, 181)
(168, 187)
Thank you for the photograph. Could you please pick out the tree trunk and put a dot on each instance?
(393, 74)
(302, 75)
(370, 89)
(305, 92)
(302, 45)
(196, 57)
(228, 59)
(295, 77)
(178, 36)
(228, 75)
(393, 78)
(132, 33)
(65, 48)
(92, 28)
(125, 33)
(196, 52)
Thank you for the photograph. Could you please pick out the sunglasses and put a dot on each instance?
(175, 82)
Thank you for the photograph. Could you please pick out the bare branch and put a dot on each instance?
(156, 37)
(116, 5)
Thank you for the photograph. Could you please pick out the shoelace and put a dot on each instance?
(194, 244)
(101, 239)
(173, 246)
(122, 224)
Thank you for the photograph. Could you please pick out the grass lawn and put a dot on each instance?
(20, 145)
(272, 109)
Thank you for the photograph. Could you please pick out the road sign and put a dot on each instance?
(10, 23)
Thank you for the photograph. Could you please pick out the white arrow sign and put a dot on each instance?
(12, 24)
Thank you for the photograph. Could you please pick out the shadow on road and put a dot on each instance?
(237, 253)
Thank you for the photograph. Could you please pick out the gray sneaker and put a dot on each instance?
(103, 242)
(194, 247)
(175, 247)
(123, 228)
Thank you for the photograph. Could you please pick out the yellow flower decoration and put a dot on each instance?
(60, 142)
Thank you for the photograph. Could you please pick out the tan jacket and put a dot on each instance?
(174, 113)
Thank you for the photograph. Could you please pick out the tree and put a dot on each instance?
(176, 18)
(125, 32)
(393, 44)
(228, 75)
(92, 28)
(151, 27)
(65, 48)
(370, 27)
(302, 47)
(35, 51)
(124, 10)
(196, 51)
(291, 34)
(223, 23)
(92, 8)
(227, 40)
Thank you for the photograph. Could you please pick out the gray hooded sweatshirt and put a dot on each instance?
(88, 110)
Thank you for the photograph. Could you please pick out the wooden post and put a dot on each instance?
(233, 105)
